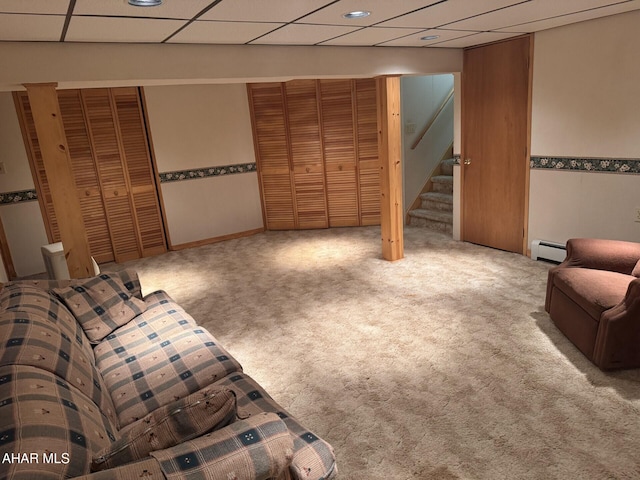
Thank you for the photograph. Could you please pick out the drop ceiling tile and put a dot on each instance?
(526, 12)
(120, 29)
(262, 11)
(222, 32)
(59, 7)
(381, 10)
(371, 36)
(303, 34)
(182, 9)
(414, 40)
(475, 39)
(27, 28)
(446, 12)
(573, 18)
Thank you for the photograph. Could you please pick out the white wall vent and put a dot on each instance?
(548, 251)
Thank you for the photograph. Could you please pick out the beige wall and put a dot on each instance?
(421, 98)
(22, 221)
(586, 103)
(196, 126)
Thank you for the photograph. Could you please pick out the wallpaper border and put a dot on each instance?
(600, 165)
(195, 173)
(11, 198)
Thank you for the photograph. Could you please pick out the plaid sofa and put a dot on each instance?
(98, 382)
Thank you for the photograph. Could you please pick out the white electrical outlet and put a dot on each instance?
(637, 216)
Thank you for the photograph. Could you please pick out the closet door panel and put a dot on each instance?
(85, 175)
(339, 152)
(271, 144)
(139, 170)
(367, 146)
(110, 166)
(306, 154)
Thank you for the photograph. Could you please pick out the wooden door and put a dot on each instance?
(496, 96)
(339, 152)
(367, 150)
(306, 153)
(112, 168)
(266, 102)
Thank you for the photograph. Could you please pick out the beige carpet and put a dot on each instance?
(442, 365)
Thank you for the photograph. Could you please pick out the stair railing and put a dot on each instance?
(431, 122)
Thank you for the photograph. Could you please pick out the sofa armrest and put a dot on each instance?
(600, 254)
(257, 448)
(619, 332)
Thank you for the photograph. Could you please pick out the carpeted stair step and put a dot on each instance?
(442, 183)
(437, 201)
(435, 220)
(446, 166)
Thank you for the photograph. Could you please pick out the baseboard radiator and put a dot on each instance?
(548, 251)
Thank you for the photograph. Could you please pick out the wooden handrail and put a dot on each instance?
(433, 119)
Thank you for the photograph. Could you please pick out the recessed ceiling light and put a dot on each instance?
(430, 37)
(145, 3)
(356, 14)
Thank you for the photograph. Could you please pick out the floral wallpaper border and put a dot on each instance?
(180, 175)
(610, 165)
(10, 198)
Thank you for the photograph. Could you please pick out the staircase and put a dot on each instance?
(436, 205)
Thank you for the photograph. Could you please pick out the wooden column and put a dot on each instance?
(390, 157)
(57, 165)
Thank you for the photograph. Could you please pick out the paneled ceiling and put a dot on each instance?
(397, 23)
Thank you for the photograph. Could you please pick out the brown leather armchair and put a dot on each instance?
(593, 297)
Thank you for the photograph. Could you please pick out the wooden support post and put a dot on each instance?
(390, 155)
(57, 165)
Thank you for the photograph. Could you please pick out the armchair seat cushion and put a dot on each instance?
(593, 290)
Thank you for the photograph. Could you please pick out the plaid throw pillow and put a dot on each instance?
(100, 304)
(209, 409)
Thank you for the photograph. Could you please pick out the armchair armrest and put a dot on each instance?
(600, 254)
(619, 332)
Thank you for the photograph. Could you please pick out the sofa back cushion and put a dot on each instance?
(51, 422)
(31, 340)
(28, 299)
(100, 304)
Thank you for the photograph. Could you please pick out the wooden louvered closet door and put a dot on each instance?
(266, 102)
(306, 154)
(112, 170)
(316, 147)
(367, 151)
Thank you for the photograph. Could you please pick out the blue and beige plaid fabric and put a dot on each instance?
(313, 458)
(100, 304)
(155, 360)
(259, 447)
(138, 391)
(42, 415)
(208, 409)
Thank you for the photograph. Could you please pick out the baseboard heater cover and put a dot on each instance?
(548, 251)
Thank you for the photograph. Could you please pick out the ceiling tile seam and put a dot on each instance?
(67, 20)
(497, 30)
(471, 32)
(381, 44)
(195, 17)
(290, 22)
(337, 36)
(93, 15)
(408, 13)
(485, 13)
